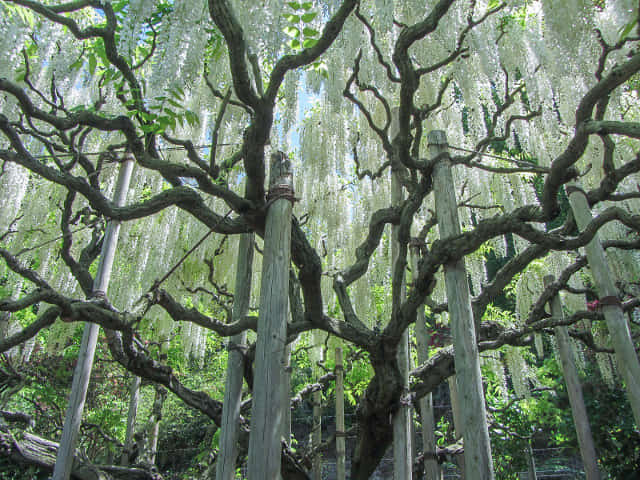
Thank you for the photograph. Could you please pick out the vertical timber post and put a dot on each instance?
(316, 435)
(531, 463)
(477, 448)
(131, 420)
(341, 451)
(286, 396)
(226, 462)
(617, 325)
(82, 373)
(457, 421)
(576, 400)
(402, 451)
(431, 467)
(265, 447)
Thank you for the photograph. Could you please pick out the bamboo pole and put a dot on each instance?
(574, 389)
(616, 322)
(226, 462)
(477, 448)
(266, 419)
(431, 467)
(82, 373)
(316, 435)
(341, 450)
(131, 419)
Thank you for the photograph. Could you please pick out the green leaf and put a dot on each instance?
(626, 30)
(294, 5)
(192, 118)
(101, 52)
(309, 42)
(77, 64)
(307, 17)
(174, 103)
(291, 18)
(295, 44)
(306, 5)
(493, 4)
(293, 32)
(93, 63)
(310, 32)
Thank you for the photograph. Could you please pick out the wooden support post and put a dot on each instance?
(627, 360)
(431, 467)
(286, 396)
(131, 420)
(477, 448)
(153, 433)
(341, 451)
(402, 451)
(266, 418)
(531, 463)
(458, 426)
(578, 409)
(82, 373)
(226, 462)
(316, 435)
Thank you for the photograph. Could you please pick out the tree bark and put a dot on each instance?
(477, 448)
(613, 314)
(226, 463)
(82, 373)
(266, 420)
(576, 400)
(40, 452)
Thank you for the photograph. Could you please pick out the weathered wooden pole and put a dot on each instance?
(431, 467)
(131, 419)
(402, 451)
(226, 462)
(477, 448)
(627, 360)
(154, 425)
(458, 425)
(82, 373)
(316, 435)
(576, 400)
(341, 451)
(286, 396)
(266, 417)
(531, 463)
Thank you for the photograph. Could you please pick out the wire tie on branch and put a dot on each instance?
(278, 191)
(610, 300)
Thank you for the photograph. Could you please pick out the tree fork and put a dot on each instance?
(477, 448)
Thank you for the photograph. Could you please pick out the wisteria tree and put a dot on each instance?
(538, 101)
